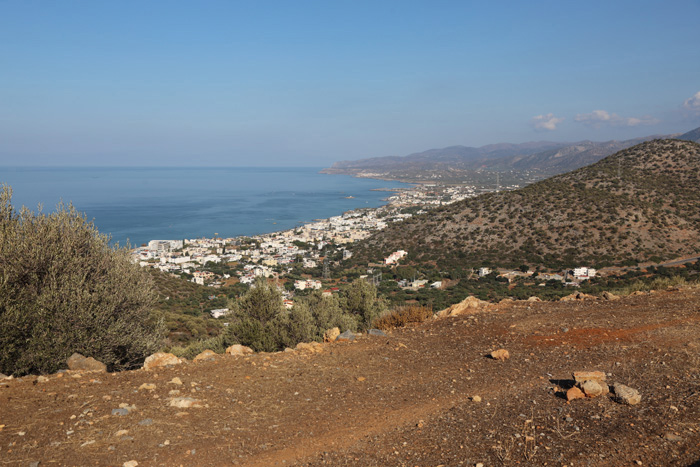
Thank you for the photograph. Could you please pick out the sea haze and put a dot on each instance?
(142, 204)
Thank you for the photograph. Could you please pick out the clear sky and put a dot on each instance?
(306, 83)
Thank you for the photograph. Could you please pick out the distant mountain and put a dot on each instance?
(693, 135)
(640, 204)
(545, 157)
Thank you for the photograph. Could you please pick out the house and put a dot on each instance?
(484, 272)
(219, 313)
(584, 273)
(395, 257)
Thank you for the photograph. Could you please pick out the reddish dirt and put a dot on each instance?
(404, 399)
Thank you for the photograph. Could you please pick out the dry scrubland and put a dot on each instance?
(427, 394)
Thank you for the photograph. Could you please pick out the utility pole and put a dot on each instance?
(326, 268)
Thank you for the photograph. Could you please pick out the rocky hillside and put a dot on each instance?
(641, 204)
(425, 395)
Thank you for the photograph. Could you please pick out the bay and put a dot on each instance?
(142, 204)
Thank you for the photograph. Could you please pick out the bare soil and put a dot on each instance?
(405, 399)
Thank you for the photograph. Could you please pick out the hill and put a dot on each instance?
(458, 162)
(693, 135)
(638, 205)
(409, 398)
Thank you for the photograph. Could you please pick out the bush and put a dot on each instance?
(63, 289)
(403, 315)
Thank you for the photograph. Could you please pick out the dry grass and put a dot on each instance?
(403, 315)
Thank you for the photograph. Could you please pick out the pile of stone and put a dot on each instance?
(468, 305)
(590, 384)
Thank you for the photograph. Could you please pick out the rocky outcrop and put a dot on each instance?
(468, 305)
(77, 362)
(331, 334)
(161, 359)
(238, 350)
(207, 355)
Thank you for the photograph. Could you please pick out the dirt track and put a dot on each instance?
(405, 399)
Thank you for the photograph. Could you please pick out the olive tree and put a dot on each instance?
(64, 289)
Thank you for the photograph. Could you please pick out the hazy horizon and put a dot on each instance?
(309, 83)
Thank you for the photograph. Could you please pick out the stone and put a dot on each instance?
(583, 376)
(161, 359)
(176, 381)
(347, 336)
(147, 386)
(185, 403)
(331, 334)
(377, 333)
(500, 354)
(610, 296)
(3, 376)
(77, 362)
(238, 350)
(626, 395)
(591, 388)
(146, 422)
(207, 355)
(121, 433)
(42, 379)
(469, 304)
(574, 393)
(130, 464)
(311, 347)
(534, 299)
(120, 412)
(672, 437)
(476, 398)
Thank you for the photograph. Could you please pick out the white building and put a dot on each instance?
(584, 273)
(395, 257)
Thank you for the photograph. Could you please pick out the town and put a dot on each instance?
(299, 258)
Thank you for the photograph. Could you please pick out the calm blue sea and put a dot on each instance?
(142, 204)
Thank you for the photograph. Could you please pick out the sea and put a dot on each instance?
(155, 203)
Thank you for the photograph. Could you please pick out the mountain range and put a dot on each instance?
(545, 157)
(640, 204)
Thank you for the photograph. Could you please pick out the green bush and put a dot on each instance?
(63, 289)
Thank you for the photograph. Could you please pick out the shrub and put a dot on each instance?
(403, 315)
(63, 289)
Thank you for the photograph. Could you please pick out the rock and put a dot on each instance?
(207, 355)
(312, 347)
(500, 354)
(238, 349)
(185, 403)
(476, 398)
(79, 362)
(331, 334)
(672, 437)
(626, 395)
(610, 296)
(583, 376)
(130, 464)
(469, 304)
(146, 422)
(574, 393)
(347, 336)
(534, 299)
(377, 333)
(121, 433)
(3, 376)
(592, 388)
(176, 381)
(147, 386)
(42, 379)
(120, 412)
(578, 296)
(161, 359)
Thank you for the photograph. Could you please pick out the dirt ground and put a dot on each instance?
(405, 399)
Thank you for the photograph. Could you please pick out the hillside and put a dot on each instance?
(641, 204)
(409, 398)
(693, 135)
(460, 162)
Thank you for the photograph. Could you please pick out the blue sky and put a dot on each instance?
(306, 83)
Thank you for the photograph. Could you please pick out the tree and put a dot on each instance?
(64, 289)
(361, 301)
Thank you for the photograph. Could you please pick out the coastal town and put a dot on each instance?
(217, 262)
